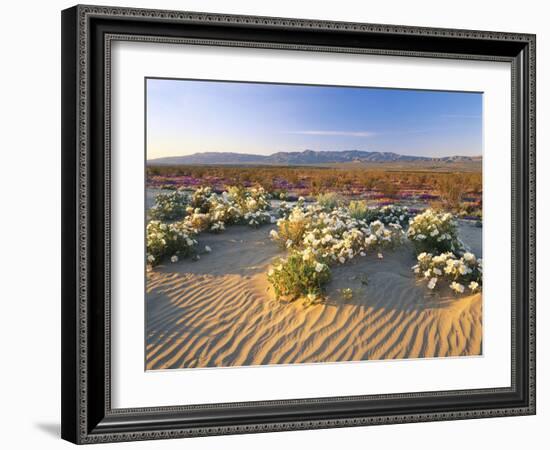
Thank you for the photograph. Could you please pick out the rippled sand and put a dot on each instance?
(220, 311)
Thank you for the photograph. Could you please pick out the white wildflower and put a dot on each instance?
(469, 257)
(457, 287)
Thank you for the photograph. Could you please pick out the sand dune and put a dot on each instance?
(220, 311)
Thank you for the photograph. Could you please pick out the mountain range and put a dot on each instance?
(306, 157)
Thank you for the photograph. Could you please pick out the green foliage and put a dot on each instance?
(296, 277)
(347, 294)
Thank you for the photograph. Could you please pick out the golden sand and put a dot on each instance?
(220, 311)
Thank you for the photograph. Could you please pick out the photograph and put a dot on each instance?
(292, 223)
(272, 222)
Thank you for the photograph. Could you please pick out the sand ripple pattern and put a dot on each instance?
(206, 315)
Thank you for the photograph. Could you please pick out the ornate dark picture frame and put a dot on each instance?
(87, 34)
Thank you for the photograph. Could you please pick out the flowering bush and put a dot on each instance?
(385, 214)
(169, 206)
(297, 277)
(394, 214)
(384, 236)
(319, 237)
(209, 211)
(292, 228)
(434, 232)
(174, 239)
(200, 198)
(460, 273)
(249, 200)
(284, 210)
(335, 235)
(255, 219)
(198, 221)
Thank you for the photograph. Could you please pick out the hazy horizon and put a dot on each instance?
(306, 149)
(189, 116)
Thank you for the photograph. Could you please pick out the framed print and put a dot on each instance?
(282, 224)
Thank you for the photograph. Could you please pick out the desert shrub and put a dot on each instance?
(338, 245)
(388, 187)
(222, 209)
(358, 209)
(452, 189)
(212, 212)
(257, 218)
(329, 200)
(395, 214)
(199, 199)
(296, 277)
(347, 294)
(385, 214)
(470, 211)
(292, 228)
(169, 206)
(284, 210)
(367, 180)
(198, 221)
(316, 236)
(434, 232)
(459, 273)
(249, 200)
(169, 187)
(316, 179)
(316, 186)
(383, 236)
(335, 235)
(175, 240)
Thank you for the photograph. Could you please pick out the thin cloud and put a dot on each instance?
(461, 116)
(334, 133)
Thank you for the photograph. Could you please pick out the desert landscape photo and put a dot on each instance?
(291, 224)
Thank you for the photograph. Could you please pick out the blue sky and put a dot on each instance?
(186, 116)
